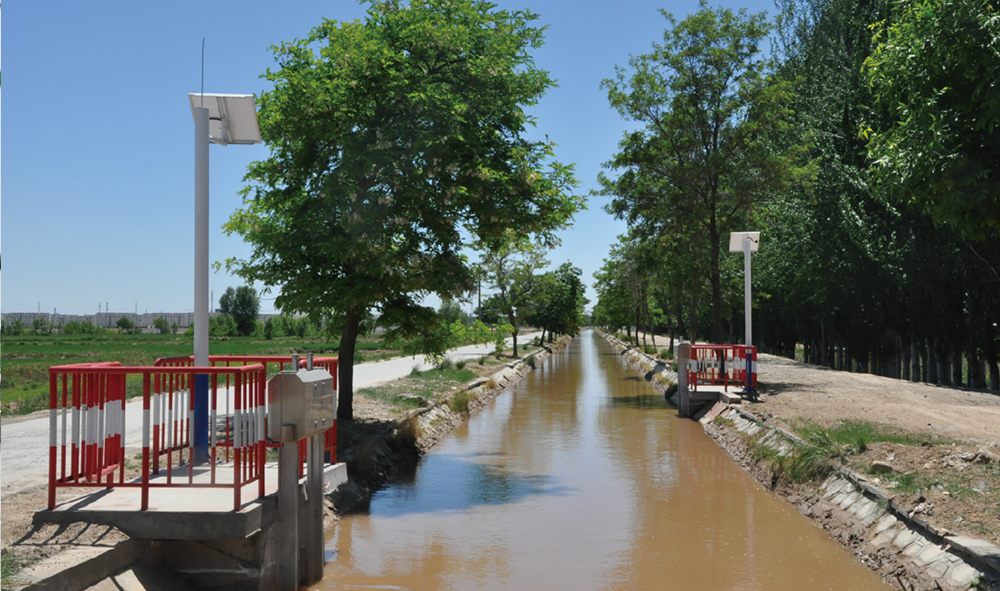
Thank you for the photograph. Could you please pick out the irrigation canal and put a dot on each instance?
(581, 477)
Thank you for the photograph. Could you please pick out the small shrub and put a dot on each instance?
(446, 363)
(666, 354)
(460, 402)
(530, 360)
(415, 371)
(649, 349)
(482, 360)
(490, 384)
(461, 364)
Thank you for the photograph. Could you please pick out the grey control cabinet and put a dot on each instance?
(304, 400)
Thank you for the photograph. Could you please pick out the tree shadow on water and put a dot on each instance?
(652, 400)
(451, 483)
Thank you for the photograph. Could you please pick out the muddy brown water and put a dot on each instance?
(582, 477)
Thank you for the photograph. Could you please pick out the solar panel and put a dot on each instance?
(232, 118)
(736, 241)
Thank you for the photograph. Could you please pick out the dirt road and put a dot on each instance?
(792, 390)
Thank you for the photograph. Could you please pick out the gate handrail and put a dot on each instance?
(95, 393)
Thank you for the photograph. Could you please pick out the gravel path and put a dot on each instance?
(792, 390)
(24, 454)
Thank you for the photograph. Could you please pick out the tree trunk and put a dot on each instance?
(991, 356)
(822, 340)
(693, 319)
(973, 358)
(716, 280)
(638, 323)
(511, 319)
(956, 366)
(945, 366)
(345, 367)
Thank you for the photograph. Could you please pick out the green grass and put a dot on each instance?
(854, 437)
(460, 402)
(26, 359)
(451, 374)
(427, 385)
(395, 398)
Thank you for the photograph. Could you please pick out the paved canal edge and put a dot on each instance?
(906, 551)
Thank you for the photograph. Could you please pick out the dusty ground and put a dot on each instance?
(959, 489)
(792, 390)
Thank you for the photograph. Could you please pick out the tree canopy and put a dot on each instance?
(388, 139)
(936, 145)
(243, 305)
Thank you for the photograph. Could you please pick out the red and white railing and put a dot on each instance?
(87, 427)
(270, 362)
(722, 365)
(87, 424)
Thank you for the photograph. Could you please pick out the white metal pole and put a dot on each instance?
(199, 426)
(746, 278)
(201, 236)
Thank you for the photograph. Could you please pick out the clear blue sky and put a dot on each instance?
(100, 185)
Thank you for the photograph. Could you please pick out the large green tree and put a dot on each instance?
(706, 104)
(934, 76)
(388, 137)
(558, 302)
(243, 305)
(510, 268)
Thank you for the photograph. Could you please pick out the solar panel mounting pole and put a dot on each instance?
(746, 289)
(221, 119)
(747, 243)
(199, 430)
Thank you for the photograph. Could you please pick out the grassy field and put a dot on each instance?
(26, 359)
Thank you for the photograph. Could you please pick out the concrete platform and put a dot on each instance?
(732, 395)
(183, 513)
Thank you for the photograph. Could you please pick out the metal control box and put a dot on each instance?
(305, 400)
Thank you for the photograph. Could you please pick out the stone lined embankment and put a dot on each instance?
(907, 551)
(656, 371)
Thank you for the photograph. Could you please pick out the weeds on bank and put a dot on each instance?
(800, 463)
(855, 436)
(824, 448)
(420, 388)
(460, 402)
(12, 562)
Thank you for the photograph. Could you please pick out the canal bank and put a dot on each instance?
(892, 539)
(580, 476)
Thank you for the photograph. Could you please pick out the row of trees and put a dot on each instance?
(864, 150)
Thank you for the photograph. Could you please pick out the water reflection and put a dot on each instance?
(579, 478)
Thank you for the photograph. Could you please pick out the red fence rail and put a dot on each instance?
(723, 365)
(87, 408)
